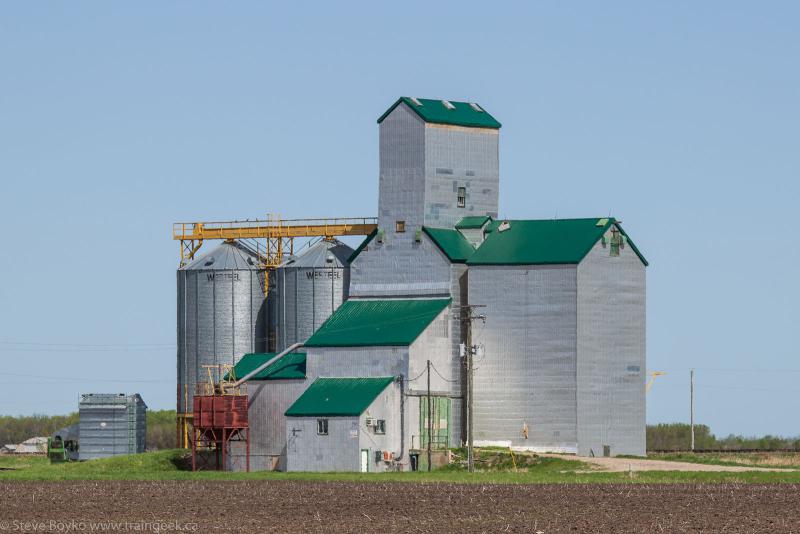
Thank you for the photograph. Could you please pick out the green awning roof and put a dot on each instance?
(435, 111)
(473, 222)
(291, 366)
(338, 397)
(451, 242)
(543, 242)
(395, 322)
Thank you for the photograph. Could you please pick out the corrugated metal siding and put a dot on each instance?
(110, 425)
(340, 450)
(402, 170)
(471, 155)
(611, 337)
(527, 374)
(459, 280)
(400, 267)
(268, 401)
(364, 361)
(387, 407)
(356, 361)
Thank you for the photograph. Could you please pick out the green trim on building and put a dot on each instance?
(435, 111)
(362, 246)
(291, 366)
(473, 222)
(543, 242)
(454, 245)
(360, 323)
(338, 397)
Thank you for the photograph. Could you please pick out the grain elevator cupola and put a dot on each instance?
(438, 164)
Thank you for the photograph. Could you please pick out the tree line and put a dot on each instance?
(160, 427)
(677, 436)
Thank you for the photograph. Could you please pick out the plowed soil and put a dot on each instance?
(291, 506)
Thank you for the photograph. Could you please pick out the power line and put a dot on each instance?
(68, 349)
(435, 370)
(80, 379)
(36, 343)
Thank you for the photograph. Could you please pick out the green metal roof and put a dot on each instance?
(435, 111)
(549, 241)
(338, 397)
(454, 245)
(293, 365)
(395, 322)
(473, 222)
(362, 246)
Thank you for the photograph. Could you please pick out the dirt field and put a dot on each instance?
(291, 506)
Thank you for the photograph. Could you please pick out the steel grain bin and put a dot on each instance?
(308, 288)
(221, 314)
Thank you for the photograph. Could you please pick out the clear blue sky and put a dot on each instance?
(116, 120)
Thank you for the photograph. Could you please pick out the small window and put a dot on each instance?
(462, 197)
(448, 104)
(379, 426)
(322, 427)
(400, 226)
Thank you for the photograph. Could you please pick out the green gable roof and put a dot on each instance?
(340, 397)
(462, 114)
(291, 366)
(543, 242)
(451, 242)
(396, 322)
(473, 222)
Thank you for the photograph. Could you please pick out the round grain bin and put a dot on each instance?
(308, 288)
(221, 314)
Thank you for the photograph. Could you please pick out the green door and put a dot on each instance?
(440, 433)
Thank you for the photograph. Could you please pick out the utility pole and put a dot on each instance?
(691, 404)
(430, 416)
(468, 317)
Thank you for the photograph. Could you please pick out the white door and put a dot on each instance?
(364, 460)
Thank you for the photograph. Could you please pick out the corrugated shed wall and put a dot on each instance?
(268, 401)
(527, 374)
(110, 425)
(367, 361)
(460, 157)
(338, 451)
(611, 352)
(400, 267)
(387, 407)
(402, 170)
(341, 449)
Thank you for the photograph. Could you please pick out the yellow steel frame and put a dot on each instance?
(279, 234)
